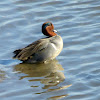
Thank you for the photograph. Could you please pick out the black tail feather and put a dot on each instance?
(16, 52)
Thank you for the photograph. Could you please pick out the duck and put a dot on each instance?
(42, 50)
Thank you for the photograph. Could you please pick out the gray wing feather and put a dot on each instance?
(28, 51)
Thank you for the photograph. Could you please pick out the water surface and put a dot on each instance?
(74, 74)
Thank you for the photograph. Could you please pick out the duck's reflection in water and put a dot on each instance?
(48, 74)
(2, 75)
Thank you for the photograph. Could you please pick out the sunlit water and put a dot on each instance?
(75, 74)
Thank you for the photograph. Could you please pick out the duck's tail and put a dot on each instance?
(16, 52)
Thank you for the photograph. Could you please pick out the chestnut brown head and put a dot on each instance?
(48, 29)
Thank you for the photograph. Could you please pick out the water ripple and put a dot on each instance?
(76, 74)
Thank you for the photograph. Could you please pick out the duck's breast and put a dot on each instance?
(50, 49)
(57, 44)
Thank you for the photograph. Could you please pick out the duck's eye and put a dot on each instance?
(49, 24)
(45, 25)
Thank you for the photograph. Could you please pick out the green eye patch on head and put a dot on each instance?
(47, 24)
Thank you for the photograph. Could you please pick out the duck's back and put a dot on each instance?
(41, 50)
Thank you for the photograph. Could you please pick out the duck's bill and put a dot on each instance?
(55, 31)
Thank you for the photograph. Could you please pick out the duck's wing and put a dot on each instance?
(27, 52)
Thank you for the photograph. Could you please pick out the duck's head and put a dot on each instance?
(48, 29)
